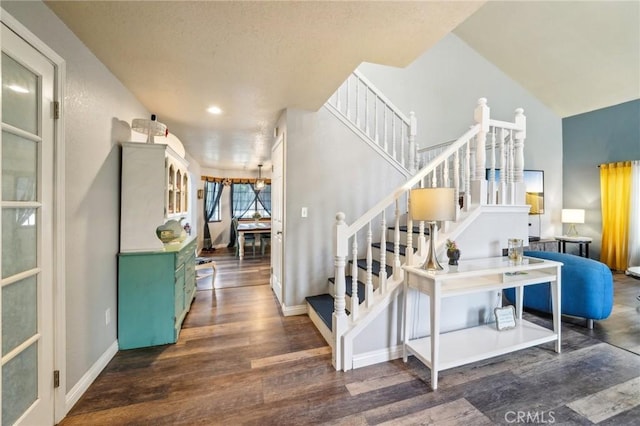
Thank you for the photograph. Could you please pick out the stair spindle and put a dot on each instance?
(369, 284)
(354, 278)
(383, 252)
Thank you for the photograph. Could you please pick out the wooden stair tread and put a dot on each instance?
(323, 305)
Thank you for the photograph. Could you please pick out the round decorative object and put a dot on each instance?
(453, 255)
(171, 231)
(148, 127)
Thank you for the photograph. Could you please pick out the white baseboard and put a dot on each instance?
(376, 357)
(85, 381)
(288, 311)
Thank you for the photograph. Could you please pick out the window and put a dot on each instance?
(247, 202)
(216, 212)
(212, 191)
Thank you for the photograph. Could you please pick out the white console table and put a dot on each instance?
(447, 350)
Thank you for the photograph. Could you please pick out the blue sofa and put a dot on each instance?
(587, 288)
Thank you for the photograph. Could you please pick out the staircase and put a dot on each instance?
(368, 276)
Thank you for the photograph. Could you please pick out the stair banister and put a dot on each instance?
(399, 131)
(468, 155)
(339, 317)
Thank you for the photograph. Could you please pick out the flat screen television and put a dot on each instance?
(534, 188)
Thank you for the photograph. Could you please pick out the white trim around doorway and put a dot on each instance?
(60, 406)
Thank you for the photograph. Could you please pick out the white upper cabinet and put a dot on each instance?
(154, 188)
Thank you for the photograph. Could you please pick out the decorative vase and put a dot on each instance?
(171, 231)
(453, 255)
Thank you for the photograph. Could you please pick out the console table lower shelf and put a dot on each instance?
(443, 350)
(477, 343)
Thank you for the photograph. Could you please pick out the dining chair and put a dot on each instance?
(249, 238)
(203, 263)
(265, 240)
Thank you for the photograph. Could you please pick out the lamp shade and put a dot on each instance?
(433, 204)
(572, 215)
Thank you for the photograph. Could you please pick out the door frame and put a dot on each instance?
(280, 144)
(58, 275)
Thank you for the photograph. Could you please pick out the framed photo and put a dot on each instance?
(505, 317)
(200, 194)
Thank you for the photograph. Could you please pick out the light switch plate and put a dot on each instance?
(303, 212)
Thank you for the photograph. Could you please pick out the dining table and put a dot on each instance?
(258, 227)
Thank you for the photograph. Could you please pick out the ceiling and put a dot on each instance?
(574, 56)
(254, 59)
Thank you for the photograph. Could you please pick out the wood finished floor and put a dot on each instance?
(239, 361)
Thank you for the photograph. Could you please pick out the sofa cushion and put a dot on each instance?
(587, 287)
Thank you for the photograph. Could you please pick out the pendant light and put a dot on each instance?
(259, 182)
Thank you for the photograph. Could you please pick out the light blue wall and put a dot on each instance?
(442, 87)
(603, 136)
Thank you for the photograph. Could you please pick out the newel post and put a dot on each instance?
(339, 319)
(518, 155)
(479, 182)
(413, 129)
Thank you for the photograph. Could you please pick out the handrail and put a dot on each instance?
(382, 97)
(402, 189)
(364, 108)
(460, 165)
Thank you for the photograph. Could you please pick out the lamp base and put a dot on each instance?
(572, 231)
(431, 263)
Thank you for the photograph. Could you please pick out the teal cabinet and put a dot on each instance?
(155, 291)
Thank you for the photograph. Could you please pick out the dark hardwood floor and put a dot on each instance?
(239, 361)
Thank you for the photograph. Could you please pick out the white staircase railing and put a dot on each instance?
(368, 112)
(461, 165)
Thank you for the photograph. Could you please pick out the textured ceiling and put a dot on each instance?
(575, 56)
(252, 59)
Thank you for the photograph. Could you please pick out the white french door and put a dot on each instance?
(277, 217)
(26, 154)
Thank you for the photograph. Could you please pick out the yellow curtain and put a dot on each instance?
(615, 191)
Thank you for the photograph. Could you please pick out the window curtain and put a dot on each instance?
(240, 203)
(264, 197)
(212, 193)
(615, 191)
(634, 216)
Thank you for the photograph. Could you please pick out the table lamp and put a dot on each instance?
(572, 216)
(432, 205)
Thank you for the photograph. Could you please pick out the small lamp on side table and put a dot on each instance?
(432, 205)
(572, 216)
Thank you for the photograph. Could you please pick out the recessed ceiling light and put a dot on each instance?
(214, 110)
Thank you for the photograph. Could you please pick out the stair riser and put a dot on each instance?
(375, 251)
(362, 277)
(320, 325)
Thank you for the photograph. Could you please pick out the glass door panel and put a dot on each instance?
(19, 168)
(19, 231)
(26, 154)
(19, 95)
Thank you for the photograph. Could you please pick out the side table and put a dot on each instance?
(564, 239)
(441, 351)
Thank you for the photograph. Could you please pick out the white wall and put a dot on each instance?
(328, 169)
(442, 87)
(97, 111)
